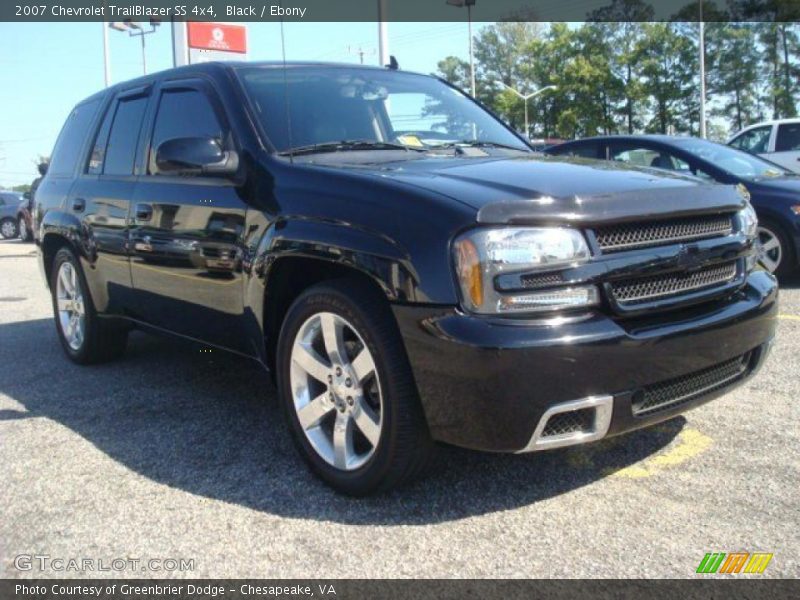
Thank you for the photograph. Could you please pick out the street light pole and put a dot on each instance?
(383, 35)
(469, 4)
(702, 74)
(525, 98)
(135, 30)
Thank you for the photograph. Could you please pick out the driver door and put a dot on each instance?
(186, 231)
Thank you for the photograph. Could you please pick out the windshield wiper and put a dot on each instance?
(344, 146)
(476, 144)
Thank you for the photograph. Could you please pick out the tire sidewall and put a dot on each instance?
(329, 299)
(66, 255)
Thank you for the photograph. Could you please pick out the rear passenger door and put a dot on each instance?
(787, 146)
(102, 195)
(186, 232)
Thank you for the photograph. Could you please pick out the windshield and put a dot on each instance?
(735, 162)
(336, 104)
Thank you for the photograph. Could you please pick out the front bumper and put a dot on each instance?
(486, 383)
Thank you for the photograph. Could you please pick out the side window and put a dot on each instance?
(582, 150)
(121, 149)
(788, 138)
(70, 140)
(184, 113)
(98, 153)
(755, 141)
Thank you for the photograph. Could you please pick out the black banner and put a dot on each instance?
(393, 589)
(398, 10)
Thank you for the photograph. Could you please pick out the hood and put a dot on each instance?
(544, 188)
(786, 185)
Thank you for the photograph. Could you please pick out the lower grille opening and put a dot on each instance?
(674, 392)
(648, 289)
(573, 421)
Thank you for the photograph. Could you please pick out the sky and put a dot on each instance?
(47, 68)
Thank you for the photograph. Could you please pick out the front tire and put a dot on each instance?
(8, 228)
(347, 389)
(85, 337)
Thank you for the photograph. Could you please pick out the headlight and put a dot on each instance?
(483, 254)
(748, 221)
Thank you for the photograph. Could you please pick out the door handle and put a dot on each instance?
(78, 204)
(144, 212)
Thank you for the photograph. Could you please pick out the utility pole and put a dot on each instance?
(525, 98)
(360, 52)
(702, 74)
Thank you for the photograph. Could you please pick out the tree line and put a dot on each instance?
(635, 76)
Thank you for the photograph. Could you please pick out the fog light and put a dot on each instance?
(575, 297)
(795, 209)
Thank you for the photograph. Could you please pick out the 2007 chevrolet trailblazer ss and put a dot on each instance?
(400, 260)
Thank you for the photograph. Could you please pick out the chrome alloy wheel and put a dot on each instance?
(23, 230)
(335, 391)
(771, 251)
(8, 229)
(71, 309)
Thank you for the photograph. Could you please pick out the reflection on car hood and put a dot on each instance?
(535, 187)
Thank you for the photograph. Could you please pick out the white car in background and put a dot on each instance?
(777, 141)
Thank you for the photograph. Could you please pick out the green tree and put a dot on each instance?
(734, 75)
(668, 64)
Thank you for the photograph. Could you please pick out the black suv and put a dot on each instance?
(400, 260)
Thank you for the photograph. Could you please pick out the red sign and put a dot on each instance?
(217, 36)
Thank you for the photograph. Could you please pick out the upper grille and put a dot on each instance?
(651, 288)
(677, 391)
(573, 421)
(626, 236)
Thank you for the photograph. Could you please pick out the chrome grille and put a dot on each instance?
(677, 391)
(573, 421)
(627, 236)
(651, 288)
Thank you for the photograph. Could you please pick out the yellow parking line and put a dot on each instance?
(790, 317)
(690, 444)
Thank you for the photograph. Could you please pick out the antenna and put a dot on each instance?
(286, 95)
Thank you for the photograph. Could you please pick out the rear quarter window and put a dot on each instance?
(70, 142)
(788, 138)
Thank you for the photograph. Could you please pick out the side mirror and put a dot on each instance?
(195, 156)
(42, 167)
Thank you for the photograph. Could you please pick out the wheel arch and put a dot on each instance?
(294, 255)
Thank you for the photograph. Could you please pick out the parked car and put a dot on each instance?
(400, 291)
(9, 207)
(778, 141)
(774, 192)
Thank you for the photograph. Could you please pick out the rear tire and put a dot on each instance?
(8, 228)
(86, 337)
(347, 389)
(25, 234)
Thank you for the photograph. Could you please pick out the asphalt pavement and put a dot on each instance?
(176, 454)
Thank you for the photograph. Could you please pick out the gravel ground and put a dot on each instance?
(172, 453)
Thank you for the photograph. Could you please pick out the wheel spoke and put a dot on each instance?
(310, 362)
(769, 263)
(363, 364)
(64, 303)
(332, 334)
(65, 281)
(367, 421)
(312, 413)
(342, 440)
(770, 244)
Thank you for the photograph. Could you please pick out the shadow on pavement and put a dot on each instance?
(209, 424)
